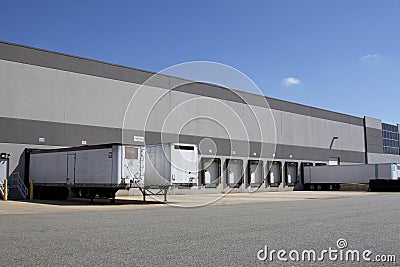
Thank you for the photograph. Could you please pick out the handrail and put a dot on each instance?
(1, 190)
(16, 182)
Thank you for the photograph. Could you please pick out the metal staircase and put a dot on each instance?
(16, 188)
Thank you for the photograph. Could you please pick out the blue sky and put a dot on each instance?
(341, 55)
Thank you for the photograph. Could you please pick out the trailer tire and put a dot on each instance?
(319, 187)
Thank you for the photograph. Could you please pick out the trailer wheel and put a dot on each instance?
(312, 187)
(319, 187)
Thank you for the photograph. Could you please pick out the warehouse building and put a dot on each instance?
(52, 100)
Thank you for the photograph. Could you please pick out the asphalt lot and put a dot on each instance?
(228, 233)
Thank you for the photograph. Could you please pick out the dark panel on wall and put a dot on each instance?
(374, 149)
(256, 99)
(373, 132)
(373, 140)
(376, 141)
(60, 61)
(289, 106)
(330, 115)
(128, 136)
(225, 145)
(298, 152)
(352, 156)
(74, 134)
(153, 137)
(29, 131)
(313, 112)
(188, 139)
(255, 149)
(57, 134)
(210, 91)
(318, 154)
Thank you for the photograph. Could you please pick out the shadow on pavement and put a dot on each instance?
(86, 202)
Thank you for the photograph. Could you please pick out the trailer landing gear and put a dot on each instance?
(154, 191)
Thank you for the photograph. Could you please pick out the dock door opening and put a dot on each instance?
(254, 173)
(290, 173)
(210, 172)
(275, 173)
(234, 172)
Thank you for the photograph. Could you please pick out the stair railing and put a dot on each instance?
(16, 181)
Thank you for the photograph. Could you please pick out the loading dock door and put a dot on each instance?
(184, 159)
(211, 172)
(291, 173)
(275, 177)
(234, 172)
(254, 172)
(71, 169)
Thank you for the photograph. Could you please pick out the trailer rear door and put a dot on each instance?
(184, 160)
(71, 169)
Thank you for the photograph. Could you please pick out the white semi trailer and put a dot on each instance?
(173, 163)
(331, 177)
(91, 171)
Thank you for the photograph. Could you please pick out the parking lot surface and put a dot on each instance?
(229, 232)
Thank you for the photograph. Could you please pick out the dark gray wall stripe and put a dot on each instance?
(373, 132)
(28, 131)
(313, 112)
(374, 149)
(59, 134)
(43, 58)
(212, 91)
(373, 140)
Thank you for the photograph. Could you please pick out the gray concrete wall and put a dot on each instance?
(68, 99)
(374, 158)
(78, 101)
